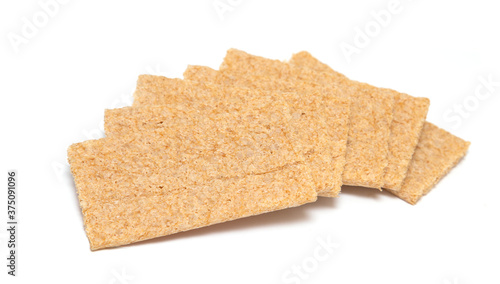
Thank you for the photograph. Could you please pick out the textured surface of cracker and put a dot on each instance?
(408, 119)
(319, 124)
(370, 114)
(267, 118)
(437, 152)
(157, 90)
(200, 73)
(406, 128)
(158, 182)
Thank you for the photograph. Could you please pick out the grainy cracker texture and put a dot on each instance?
(163, 180)
(436, 154)
(408, 119)
(318, 123)
(370, 115)
(200, 73)
(267, 114)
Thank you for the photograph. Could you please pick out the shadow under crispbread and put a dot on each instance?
(162, 180)
(269, 220)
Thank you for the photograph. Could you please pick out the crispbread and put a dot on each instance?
(437, 152)
(319, 126)
(408, 119)
(196, 171)
(268, 117)
(370, 115)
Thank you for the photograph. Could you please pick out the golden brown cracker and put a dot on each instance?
(267, 114)
(408, 119)
(195, 172)
(370, 115)
(406, 128)
(319, 123)
(437, 152)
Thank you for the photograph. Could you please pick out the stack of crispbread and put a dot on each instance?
(258, 135)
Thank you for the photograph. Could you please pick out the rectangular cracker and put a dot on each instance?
(437, 152)
(408, 119)
(267, 114)
(319, 125)
(370, 115)
(320, 122)
(153, 183)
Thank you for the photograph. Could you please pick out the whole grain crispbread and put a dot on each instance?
(408, 119)
(370, 115)
(437, 152)
(268, 117)
(322, 141)
(195, 171)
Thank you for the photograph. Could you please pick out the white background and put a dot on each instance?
(87, 57)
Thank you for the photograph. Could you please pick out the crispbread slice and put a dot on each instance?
(408, 119)
(267, 116)
(322, 141)
(437, 152)
(370, 115)
(196, 171)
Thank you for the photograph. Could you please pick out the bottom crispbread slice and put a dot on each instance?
(370, 112)
(322, 141)
(408, 119)
(196, 171)
(437, 152)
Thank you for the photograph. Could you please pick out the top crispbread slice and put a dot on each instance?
(319, 123)
(408, 119)
(321, 141)
(370, 115)
(437, 152)
(196, 170)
